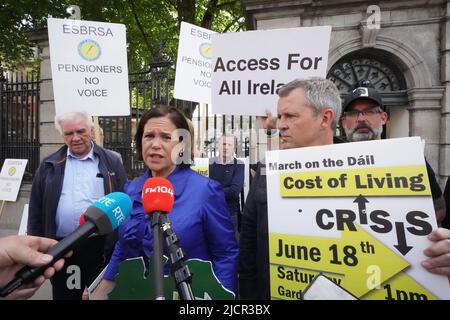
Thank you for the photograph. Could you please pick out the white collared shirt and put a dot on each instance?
(82, 186)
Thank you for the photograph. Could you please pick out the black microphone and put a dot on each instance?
(157, 200)
(102, 217)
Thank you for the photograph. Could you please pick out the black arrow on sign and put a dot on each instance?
(402, 246)
(361, 201)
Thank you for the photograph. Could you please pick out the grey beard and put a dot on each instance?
(372, 134)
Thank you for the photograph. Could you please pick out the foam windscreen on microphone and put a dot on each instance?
(157, 195)
(108, 212)
(81, 220)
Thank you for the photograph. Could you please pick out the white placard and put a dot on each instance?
(89, 67)
(194, 64)
(246, 162)
(322, 288)
(359, 213)
(11, 178)
(249, 67)
(23, 228)
(201, 165)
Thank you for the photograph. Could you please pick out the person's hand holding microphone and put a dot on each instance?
(19, 251)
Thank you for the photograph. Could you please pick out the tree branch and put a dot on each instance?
(141, 29)
(231, 24)
(226, 4)
(173, 4)
(209, 14)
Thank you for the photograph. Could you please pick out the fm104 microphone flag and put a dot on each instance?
(157, 195)
(102, 217)
(157, 200)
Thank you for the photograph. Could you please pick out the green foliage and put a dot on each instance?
(17, 18)
(152, 25)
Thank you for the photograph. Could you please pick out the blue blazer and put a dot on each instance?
(200, 218)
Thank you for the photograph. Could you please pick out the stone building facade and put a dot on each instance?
(403, 47)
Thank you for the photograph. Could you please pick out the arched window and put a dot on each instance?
(379, 67)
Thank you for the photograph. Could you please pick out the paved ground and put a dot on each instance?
(44, 292)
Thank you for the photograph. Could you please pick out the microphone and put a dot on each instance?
(82, 220)
(102, 217)
(157, 195)
(157, 200)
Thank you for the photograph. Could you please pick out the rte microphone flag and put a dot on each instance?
(101, 218)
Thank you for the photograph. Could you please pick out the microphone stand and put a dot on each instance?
(179, 269)
(158, 261)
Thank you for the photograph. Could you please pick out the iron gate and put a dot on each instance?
(19, 122)
(19, 119)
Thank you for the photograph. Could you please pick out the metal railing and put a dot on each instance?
(19, 119)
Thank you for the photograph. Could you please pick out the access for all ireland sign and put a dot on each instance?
(250, 67)
(89, 67)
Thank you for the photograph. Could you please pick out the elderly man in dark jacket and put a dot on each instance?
(66, 183)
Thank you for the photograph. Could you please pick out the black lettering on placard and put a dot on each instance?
(200, 34)
(202, 83)
(92, 92)
(395, 294)
(305, 63)
(206, 74)
(382, 225)
(423, 227)
(93, 80)
(244, 65)
(298, 252)
(87, 30)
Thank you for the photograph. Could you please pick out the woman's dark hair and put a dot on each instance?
(177, 118)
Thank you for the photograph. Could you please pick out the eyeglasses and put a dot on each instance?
(366, 113)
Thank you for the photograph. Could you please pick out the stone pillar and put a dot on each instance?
(49, 137)
(425, 120)
(444, 169)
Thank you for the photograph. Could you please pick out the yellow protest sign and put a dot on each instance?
(358, 213)
(351, 257)
(396, 181)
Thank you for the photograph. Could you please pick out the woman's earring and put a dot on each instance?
(181, 154)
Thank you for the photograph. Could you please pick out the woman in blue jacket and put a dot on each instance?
(199, 217)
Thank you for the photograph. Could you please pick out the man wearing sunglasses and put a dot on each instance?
(363, 118)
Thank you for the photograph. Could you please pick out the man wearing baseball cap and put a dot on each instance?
(363, 118)
(363, 114)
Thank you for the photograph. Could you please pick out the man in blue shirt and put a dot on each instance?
(65, 184)
(229, 172)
